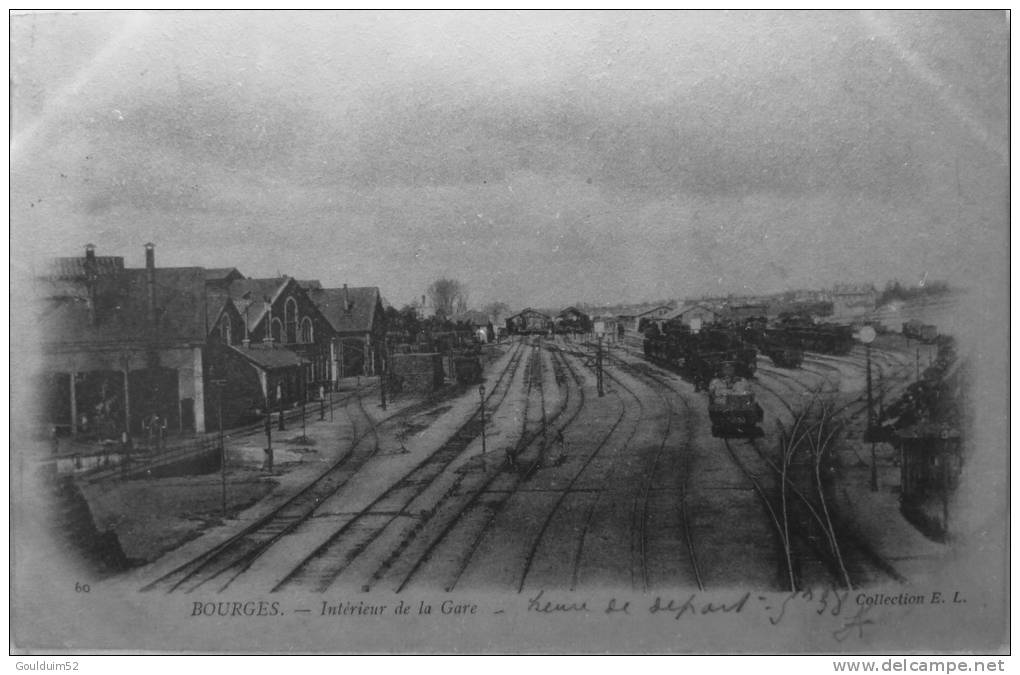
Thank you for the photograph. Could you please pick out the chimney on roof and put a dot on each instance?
(150, 285)
(91, 273)
(347, 299)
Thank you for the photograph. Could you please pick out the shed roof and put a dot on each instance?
(270, 357)
(653, 309)
(686, 309)
(121, 308)
(350, 310)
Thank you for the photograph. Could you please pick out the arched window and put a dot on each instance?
(306, 330)
(290, 319)
(225, 330)
(277, 330)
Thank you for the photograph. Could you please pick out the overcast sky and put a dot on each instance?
(542, 159)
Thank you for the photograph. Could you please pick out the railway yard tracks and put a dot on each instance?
(576, 490)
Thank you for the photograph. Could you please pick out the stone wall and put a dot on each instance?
(417, 373)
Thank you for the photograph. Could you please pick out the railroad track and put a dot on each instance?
(234, 556)
(681, 503)
(326, 562)
(819, 548)
(478, 505)
(554, 510)
(795, 526)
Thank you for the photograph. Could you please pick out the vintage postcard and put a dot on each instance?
(510, 332)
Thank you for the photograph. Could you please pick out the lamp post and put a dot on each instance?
(867, 336)
(481, 413)
(269, 438)
(382, 375)
(279, 400)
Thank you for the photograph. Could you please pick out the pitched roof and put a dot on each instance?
(309, 284)
(653, 309)
(251, 294)
(350, 310)
(680, 311)
(121, 308)
(74, 268)
(270, 357)
(529, 310)
(222, 274)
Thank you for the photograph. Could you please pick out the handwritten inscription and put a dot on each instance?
(850, 613)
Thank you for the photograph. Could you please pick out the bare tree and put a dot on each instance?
(448, 297)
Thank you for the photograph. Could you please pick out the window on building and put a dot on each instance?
(306, 330)
(290, 319)
(225, 330)
(277, 330)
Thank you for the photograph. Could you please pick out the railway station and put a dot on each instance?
(573, 330)
(429, 455)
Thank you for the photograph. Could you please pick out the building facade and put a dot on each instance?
(123, 348)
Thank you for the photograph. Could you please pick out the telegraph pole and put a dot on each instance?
(269, 438)
(481, 412)
(279, 400)
(867, 335)
(219, 384)
(598, 367)
(382, 375)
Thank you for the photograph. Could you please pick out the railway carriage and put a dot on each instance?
(732, 407)
(700, 356)
(922, 332)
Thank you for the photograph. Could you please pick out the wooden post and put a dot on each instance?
(74, 403)
(127, 397)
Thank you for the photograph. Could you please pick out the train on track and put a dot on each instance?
(796, 332)
(922, 332)
(732, 407)
(783, 352)
(700, 356)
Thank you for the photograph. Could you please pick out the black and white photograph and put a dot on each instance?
(509, 332)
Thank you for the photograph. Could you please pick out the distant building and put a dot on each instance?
(529, 321)
(358, 322)
(572, 320)
(607, 326)
(740, 312)
(693, 316)
(634, 321)
(480, 322)
(853, 300)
